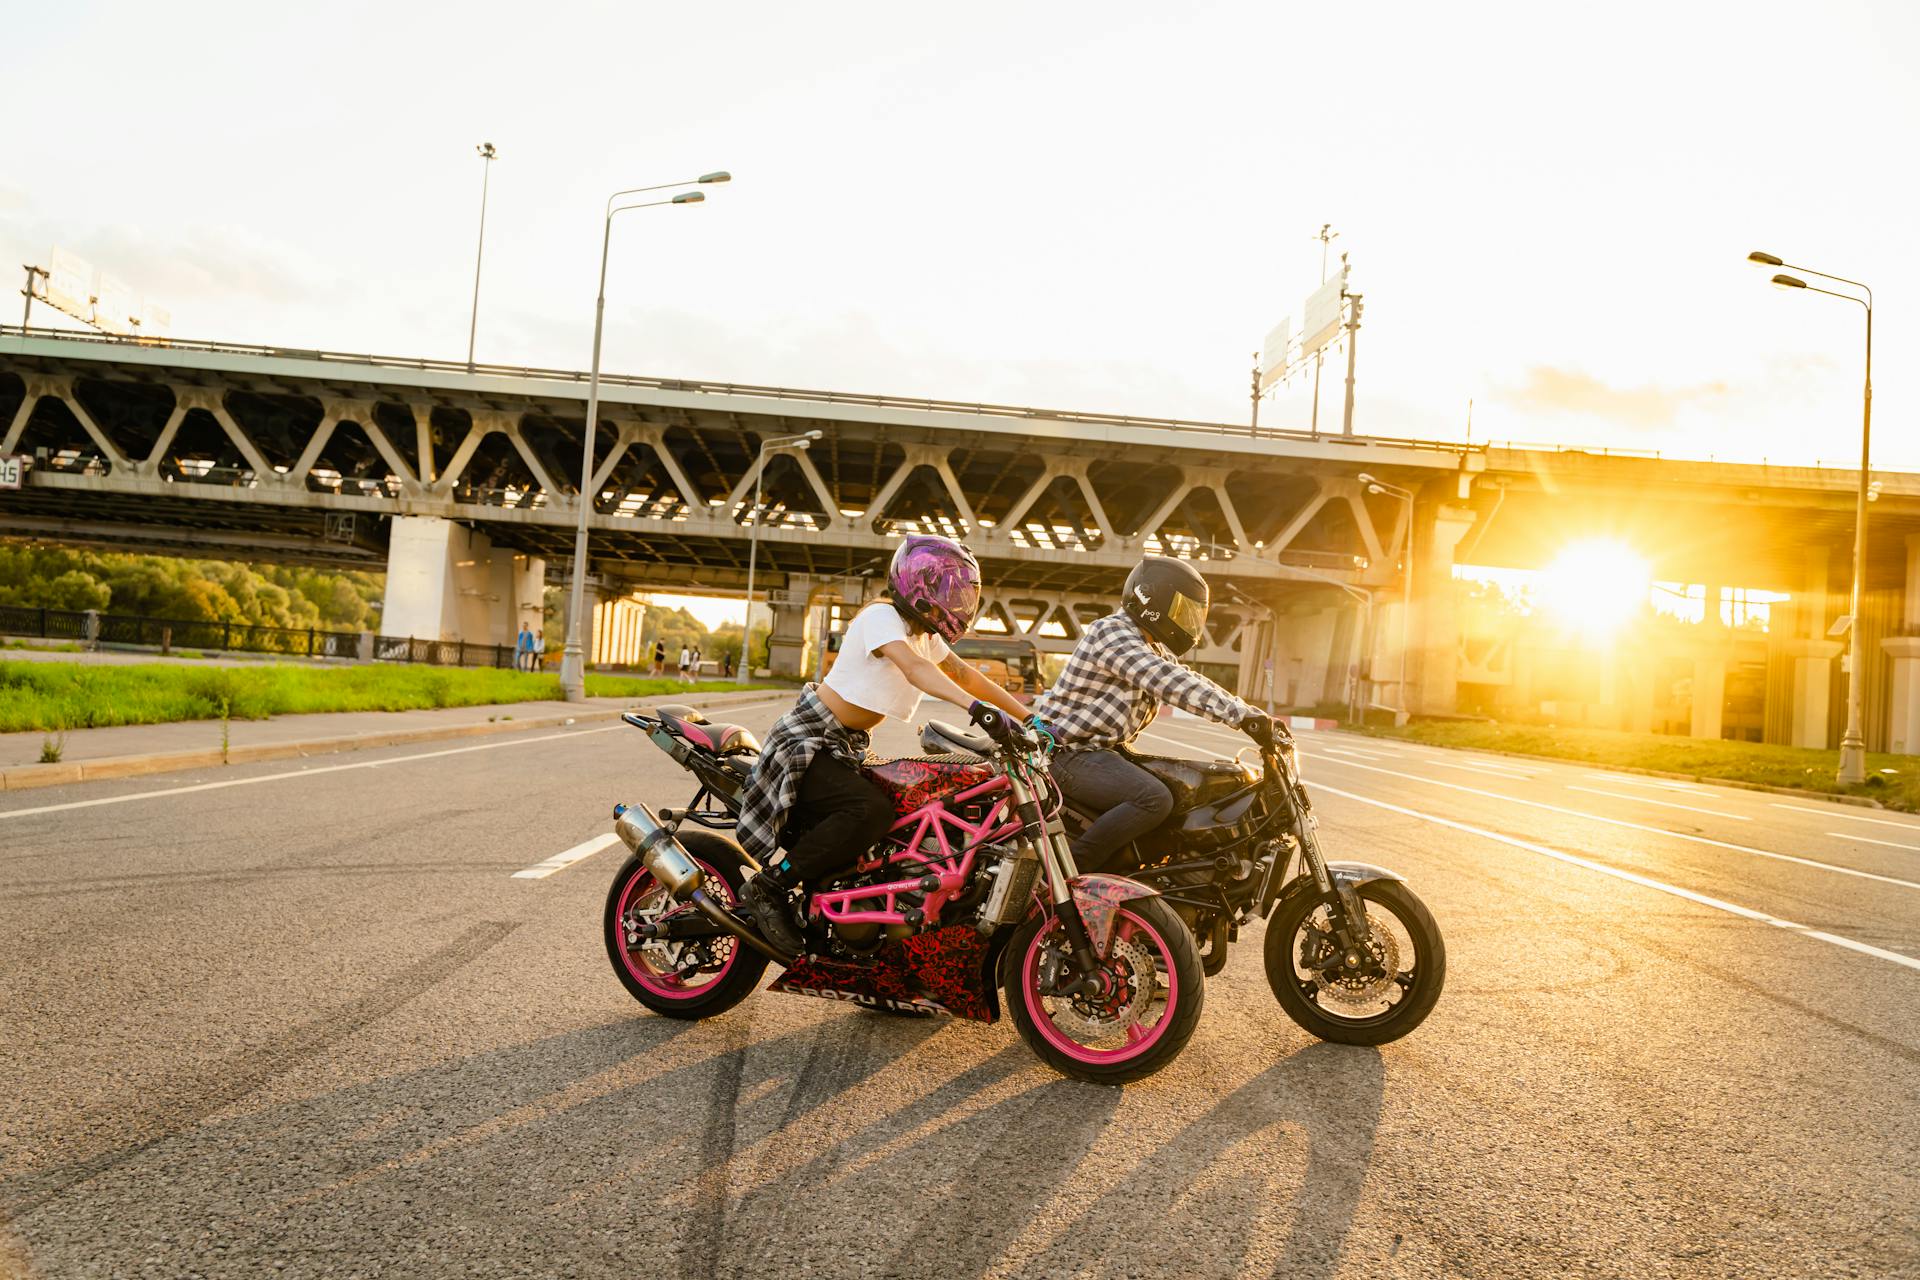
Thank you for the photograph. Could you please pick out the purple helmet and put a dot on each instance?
(936, 582)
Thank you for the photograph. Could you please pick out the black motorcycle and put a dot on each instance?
(1352, 954)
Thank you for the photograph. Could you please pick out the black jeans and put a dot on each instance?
(840, 813)
(1131, 802)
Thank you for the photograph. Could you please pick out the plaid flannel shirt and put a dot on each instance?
(795, 739)
(1114, 683)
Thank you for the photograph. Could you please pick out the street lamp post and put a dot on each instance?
(487, 154)
(1406, 568)
(33, 272)
(1853, 743)
(777, 444)
(573, 659)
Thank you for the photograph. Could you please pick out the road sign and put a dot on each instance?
(117, 305)
(1322, 314)
(1273, 356)
(13, 468)
(70, 284)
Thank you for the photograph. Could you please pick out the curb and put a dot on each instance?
(1863, 802)
(29, 776)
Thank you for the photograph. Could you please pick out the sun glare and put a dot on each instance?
(1596, 587)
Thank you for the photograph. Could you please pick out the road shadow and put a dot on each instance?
(1193, 1207)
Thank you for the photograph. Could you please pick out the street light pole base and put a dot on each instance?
(1853, 762)
(573, 674)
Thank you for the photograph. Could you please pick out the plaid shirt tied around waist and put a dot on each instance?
(795, 739)
(1114, 683)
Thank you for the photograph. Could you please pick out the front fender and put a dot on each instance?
(1347, 875)
(1097, 896)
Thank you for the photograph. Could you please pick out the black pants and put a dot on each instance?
(840, 813)
(1131, 802)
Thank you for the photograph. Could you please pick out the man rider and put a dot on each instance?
(1111, 688)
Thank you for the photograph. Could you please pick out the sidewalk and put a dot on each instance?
(125, 751)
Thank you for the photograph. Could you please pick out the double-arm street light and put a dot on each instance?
(1853, 744)
(1406, 569)
(776, 444)
(487, 154)
(573, 659)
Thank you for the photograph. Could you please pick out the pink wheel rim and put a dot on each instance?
(671, 986)
(1139, 1040)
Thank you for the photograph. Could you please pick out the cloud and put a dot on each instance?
(1568, 391)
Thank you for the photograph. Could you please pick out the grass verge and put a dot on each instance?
(1894, 781)
(58, 696)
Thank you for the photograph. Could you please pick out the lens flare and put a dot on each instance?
(1596, 587)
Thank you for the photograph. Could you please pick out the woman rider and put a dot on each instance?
(808, 786)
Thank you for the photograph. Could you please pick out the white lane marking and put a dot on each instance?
(1634, 826)
(1633, 877)
(1850, 817)
(1659, 786)
(316, 772)
(561, 861)
(1494, 771)
(1665, 804)
(1848, 835)
(1354, 751)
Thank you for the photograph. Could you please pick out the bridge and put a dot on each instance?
(463, 486)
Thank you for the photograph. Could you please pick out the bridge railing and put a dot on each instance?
(749, 390)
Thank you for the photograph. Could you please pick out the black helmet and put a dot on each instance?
(1168, 598)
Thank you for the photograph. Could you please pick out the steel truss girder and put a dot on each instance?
(412, 486)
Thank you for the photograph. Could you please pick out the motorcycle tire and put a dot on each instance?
(1299, 997)
(669, 994)
(1153, 928)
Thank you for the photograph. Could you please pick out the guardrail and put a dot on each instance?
(750, 390)
(91, 627)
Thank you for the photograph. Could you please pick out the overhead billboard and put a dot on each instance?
(1273, 355)
(115, 305)
(70, 284)
(1322, 314)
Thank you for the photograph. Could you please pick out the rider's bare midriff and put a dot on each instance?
(846, 713)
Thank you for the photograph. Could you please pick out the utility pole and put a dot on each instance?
(1256, 393)
(32, 271)
(1327, 235)
(1353, 344)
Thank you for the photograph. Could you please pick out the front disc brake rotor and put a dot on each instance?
(1372, 982)
(1129, 967)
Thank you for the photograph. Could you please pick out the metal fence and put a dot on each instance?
(441, 653)
(190, 633)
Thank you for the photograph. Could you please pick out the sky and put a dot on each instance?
(1099, 207)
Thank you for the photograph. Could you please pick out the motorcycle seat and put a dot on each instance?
(719, 738)
(938, 735)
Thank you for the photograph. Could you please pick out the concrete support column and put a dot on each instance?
(1903, 727)
(527, 595)
(1812, 655)
(446, 581)
(1436, 623)
(1709, 699)
(787, 641)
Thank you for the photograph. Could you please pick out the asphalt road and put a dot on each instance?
(270, 1020)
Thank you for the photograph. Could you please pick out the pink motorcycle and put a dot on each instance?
(973, 893)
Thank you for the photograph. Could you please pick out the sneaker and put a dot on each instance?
(771, 909)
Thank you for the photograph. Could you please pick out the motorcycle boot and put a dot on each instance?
(770, 904)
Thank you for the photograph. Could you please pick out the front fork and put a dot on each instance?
(1350, 921)
(1056, 862)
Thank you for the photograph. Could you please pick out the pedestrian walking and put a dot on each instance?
(726, 664)
(523, 649)
(659, 658)
(696, 662)
(539, 654)
(686, 660)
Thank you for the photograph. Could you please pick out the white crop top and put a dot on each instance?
(865, 678)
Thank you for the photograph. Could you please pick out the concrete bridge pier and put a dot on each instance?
(1434, 633)
(1903, 710)
(787, 639)
(447, 581)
